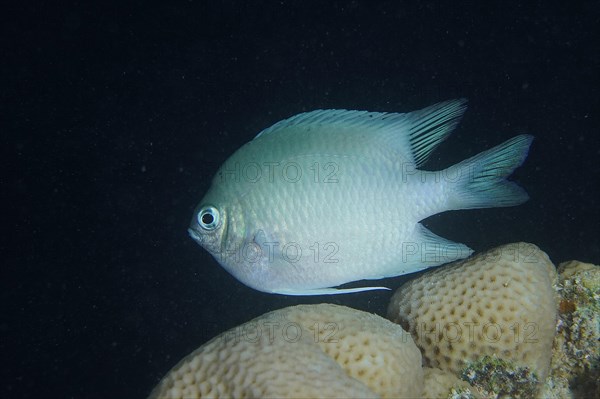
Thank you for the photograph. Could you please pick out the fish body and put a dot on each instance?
(334, 196)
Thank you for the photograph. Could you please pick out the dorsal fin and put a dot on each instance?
(414, 135)
(432, 125)
(325, 117)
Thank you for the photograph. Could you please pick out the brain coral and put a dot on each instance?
(302, 351)
(501, 303)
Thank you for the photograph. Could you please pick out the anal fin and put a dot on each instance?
(429, 249)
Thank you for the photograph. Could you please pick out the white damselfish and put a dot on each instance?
(333, 196)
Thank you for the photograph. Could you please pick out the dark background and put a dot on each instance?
(115, 117)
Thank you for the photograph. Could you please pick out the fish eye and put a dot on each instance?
(208, 218)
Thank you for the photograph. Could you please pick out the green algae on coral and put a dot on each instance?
(461, 393)
(576, 358)
(496, 377)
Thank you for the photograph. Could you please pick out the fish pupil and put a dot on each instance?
(208, 218)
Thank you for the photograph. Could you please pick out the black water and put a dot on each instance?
(114, 118)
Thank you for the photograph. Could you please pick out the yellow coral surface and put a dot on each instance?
(500, 302)
(302, 351)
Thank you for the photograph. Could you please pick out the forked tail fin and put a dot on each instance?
(480, 181)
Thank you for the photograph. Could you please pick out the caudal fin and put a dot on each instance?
(480, 181)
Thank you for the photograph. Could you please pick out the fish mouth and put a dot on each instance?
(195, 236)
